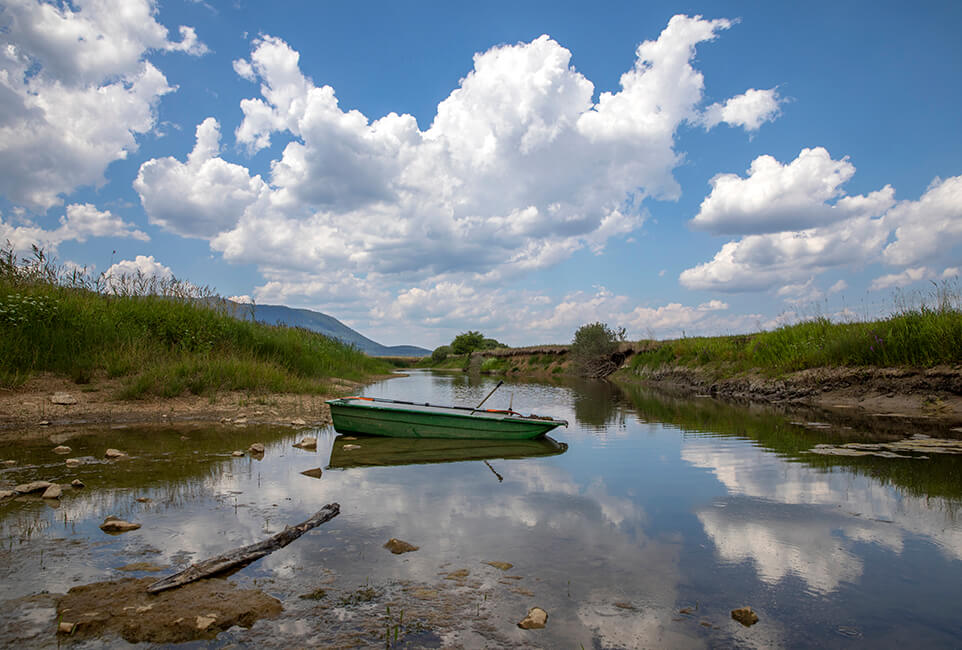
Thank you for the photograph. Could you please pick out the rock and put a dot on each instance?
(237, 453)
(256, 448)
(66, 628)
(9, 463)
(242, 420)
(35, 486)
(44, 423)
(61, 449)
(745, 616)
(77, 484)
(307, 443)
(6, 494)
(63, 398)
(535, 620)
(313, 473)
(114, 453)
(117, 525)
(298, 422)
(398, 546)
(204, 622)
(353, 438)
(350, 447)
(504, 566)
(52, 492)
(73, 462)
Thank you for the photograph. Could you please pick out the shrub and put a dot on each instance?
(592, 350)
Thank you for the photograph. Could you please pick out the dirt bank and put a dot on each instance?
(927, 393)
(31, 408)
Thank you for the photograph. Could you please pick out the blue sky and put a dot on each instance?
(420, 170)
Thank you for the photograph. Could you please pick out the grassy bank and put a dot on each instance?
(922, 337)
(163, 337)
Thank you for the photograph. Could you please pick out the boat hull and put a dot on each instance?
(349, 417)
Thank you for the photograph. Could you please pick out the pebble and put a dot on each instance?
(745, 616)
(35, 486)
(116, 525)
(398, 546)
(535, 620)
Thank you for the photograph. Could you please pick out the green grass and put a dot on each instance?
(182, 342)
(923, 336)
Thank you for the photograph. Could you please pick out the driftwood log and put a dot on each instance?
(240, 557)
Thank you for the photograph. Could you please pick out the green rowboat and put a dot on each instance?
(375, 416)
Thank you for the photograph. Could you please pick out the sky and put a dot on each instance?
(417, 170)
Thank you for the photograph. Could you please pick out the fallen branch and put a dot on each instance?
(243, 556)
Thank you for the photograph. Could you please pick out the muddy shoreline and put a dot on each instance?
(30, 410)
(931, 394)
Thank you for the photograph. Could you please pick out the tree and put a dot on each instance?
(440, 353)
(594, 348)
(467, 342)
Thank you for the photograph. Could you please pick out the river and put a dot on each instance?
(660, 516)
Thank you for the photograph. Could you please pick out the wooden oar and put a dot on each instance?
(489, 395)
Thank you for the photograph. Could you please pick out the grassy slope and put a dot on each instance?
(164, 346)
(922, 337)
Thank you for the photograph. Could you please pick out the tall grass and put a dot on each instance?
(165, 336)
(925, 335)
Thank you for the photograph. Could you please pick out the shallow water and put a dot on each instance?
(660, 517)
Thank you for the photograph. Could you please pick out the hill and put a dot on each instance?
(330, 326)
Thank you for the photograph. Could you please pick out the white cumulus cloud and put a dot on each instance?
(201, 197)
(929, 227)
(749, 110)
(79, 222)
(76, 90)
(518, 170)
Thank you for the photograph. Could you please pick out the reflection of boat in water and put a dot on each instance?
(377, 416)
(376, 451)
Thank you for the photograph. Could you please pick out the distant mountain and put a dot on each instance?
(330, 326)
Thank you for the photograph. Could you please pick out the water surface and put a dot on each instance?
(660, 517)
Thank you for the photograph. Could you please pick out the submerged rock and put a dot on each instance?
(504, 566)
(307, 443)
(52, 492)
(117, 525)
(398, 546)
(256, 448)
(73, 462)
(114, 453)
(77, 484)
(6, 494)
(237, 453)
(35, 486)
(535, 620)
(350, 447)
(63, 398)
(745, 616)
(61, 449)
